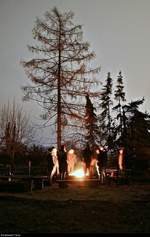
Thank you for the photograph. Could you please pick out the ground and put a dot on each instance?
(78, 208)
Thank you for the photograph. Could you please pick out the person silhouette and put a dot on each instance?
(55, 169)
(101, 163)
(62, 158)
(87, 159)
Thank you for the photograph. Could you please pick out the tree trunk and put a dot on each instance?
(59, 111)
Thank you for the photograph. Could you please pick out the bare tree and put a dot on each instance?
(15, 129)
(60, 72)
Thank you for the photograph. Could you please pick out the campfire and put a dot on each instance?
(79, 173)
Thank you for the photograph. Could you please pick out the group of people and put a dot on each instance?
(95, 159)
(60, 163)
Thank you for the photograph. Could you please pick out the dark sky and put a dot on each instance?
(117, 30)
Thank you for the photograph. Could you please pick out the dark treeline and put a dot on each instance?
(117, 123)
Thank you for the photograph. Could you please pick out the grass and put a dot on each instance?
(77, 209)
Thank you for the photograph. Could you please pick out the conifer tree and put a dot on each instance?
(60, 71)
(105, 115)
(136, 136)
(92, 129)
(137, 125)
(120, 97)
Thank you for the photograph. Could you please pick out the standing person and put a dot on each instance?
(62, 158)
(49, 162)
(71, 160)
(121, 159)
(101, 163)
(87, 158)
(93, 164)
(55, 169)
(98, 158)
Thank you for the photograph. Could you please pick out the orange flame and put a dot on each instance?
(79, 173)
